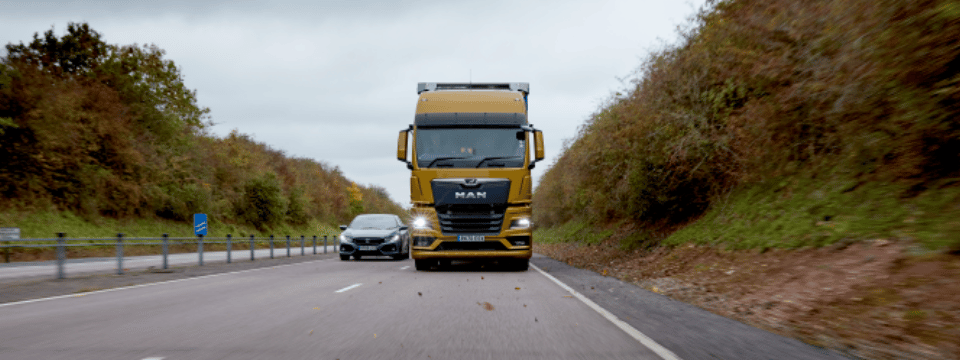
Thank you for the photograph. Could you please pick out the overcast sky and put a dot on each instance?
(336, 80)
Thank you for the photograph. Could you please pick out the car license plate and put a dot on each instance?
(368, 248)
(470, 238)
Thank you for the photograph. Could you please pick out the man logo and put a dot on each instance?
(470, 195)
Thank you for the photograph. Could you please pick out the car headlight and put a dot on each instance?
(421, 223)
(394, 238)
(522, 223)
(345, 239)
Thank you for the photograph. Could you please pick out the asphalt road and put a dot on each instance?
(380, 309)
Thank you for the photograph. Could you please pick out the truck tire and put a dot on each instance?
(423, 264)
(518, 264)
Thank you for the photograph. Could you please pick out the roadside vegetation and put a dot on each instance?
(794, 165)
(101, 138)
(777, 124)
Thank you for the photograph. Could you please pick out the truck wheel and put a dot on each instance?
(423, 264)
(518, 264)
(344, 257)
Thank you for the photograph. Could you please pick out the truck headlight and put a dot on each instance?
(345, 239)
(421, 223)
(519, 224)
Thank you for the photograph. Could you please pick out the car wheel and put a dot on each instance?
(423, 264)
(344, 257)
(399, 256)
(356, 257)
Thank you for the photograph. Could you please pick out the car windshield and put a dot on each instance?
(378, 222)
(470, 148)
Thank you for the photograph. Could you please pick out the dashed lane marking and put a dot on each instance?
(348, 288)
(630, 330)
(405, 267)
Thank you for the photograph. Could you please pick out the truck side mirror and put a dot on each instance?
(538, 142)
(402, 146)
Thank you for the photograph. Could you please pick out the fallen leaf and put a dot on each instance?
(518, 288)
(374, 336)
(311, 332)
(486, 306)
(420, 293)
(535, 320)
(316, 308)
(524, 305)
(567, 296)
(481, 278)
(380, 282)
(604, 272)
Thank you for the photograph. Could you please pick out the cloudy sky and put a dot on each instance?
(336, 80)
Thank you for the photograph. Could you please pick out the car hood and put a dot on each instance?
(363, 233)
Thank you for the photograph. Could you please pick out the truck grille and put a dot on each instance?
(368, 241)
(470, 218)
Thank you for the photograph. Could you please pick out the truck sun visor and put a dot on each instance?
(470, 119)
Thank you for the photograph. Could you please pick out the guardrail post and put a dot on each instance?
(301, 246)
(288, 245)
(200, 247)
(61, 255)
(324, 244)
(271, 246)
(120, 254)
(6, 252)
(252, 247)
(166, 250)
(314, 244)
(229, 249)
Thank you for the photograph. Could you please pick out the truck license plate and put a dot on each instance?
(368, 248)
(470, 238)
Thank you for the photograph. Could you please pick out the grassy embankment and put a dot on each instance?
(775, 124)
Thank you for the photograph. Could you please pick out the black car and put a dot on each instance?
(375, 235)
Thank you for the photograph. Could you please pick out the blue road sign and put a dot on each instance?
(200, 224)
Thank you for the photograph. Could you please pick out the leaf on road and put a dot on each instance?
(486, 306)
(420, 293)
(518, 288)
(568, 296)
(311, 332)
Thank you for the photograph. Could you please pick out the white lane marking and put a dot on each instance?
(150, 284)
(639, 336)
(153, 358)
(405, 267)
(348, 288)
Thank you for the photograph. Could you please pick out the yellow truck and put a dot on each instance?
(470, 161)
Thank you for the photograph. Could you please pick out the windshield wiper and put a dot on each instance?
(445, 158)
(495, 158)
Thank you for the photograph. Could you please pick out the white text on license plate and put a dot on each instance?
(368, 248)
(470, 238)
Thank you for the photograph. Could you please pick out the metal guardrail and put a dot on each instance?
(60, 243)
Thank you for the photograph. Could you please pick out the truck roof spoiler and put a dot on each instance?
(520, 86)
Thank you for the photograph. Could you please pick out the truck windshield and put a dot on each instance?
(470, 148)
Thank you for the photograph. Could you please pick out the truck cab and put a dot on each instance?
(471, 150)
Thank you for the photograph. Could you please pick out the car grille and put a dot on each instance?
(470, 218)
(368, 241)
(480, 245)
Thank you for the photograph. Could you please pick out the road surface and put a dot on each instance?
(382, 309)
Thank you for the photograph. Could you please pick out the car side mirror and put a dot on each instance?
(343, 227)
(404, 227)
